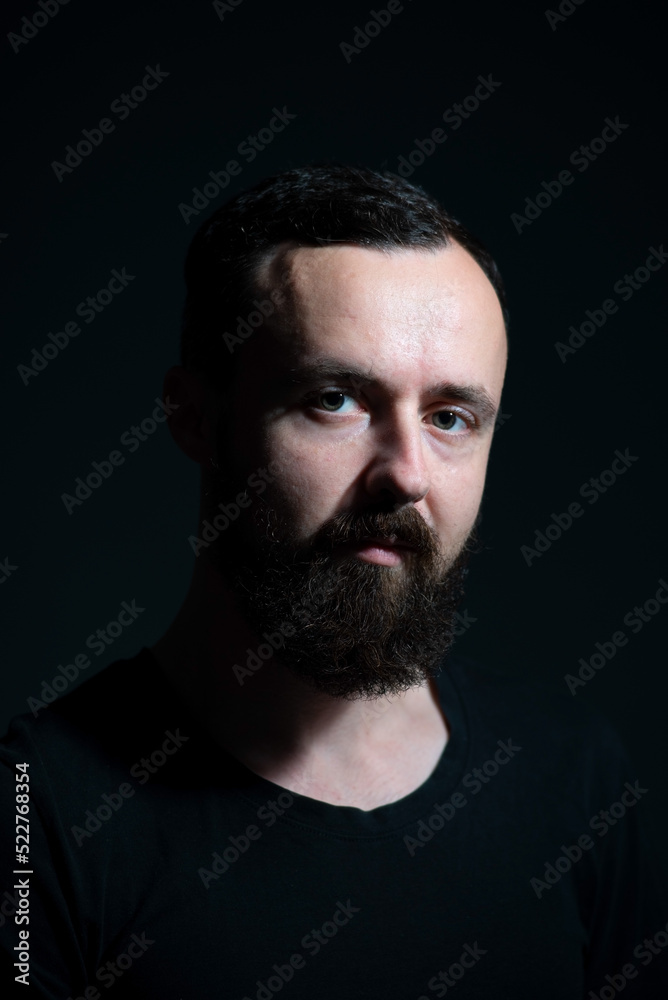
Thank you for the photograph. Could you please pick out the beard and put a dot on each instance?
(353, 629)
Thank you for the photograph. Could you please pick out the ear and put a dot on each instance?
(191, 406)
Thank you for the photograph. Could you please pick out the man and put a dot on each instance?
(298, 787)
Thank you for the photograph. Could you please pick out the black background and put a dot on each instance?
(119, 208)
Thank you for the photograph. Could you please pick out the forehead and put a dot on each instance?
(406, 311)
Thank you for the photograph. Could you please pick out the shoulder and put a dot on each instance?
(564, 739)
(107, 716)
(533, 704)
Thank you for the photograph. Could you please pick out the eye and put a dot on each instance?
(330, 400)
(449, 420)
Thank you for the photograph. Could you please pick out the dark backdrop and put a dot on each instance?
(554, 82)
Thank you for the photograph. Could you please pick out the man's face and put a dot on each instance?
(372, 391)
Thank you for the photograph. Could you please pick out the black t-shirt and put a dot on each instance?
(164, 868)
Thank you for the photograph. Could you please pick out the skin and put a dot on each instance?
(406, 322)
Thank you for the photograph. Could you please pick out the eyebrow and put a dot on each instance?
(312, 372)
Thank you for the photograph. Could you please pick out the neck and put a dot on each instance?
(345, 752)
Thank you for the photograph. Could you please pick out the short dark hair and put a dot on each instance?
(314, 205)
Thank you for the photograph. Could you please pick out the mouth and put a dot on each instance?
(381, 551)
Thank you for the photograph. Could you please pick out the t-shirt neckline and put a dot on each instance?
(347, 821)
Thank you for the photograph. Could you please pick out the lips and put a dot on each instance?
(379, 541)
(384, 550)
(390, 542)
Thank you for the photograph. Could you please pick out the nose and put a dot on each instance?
(398, 469)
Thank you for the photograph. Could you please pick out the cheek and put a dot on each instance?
(454, 500)
(309, 481)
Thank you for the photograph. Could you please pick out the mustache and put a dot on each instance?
(404, 525)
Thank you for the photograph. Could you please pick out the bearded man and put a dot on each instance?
(298, 786)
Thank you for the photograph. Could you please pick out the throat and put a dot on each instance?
(379, 772)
